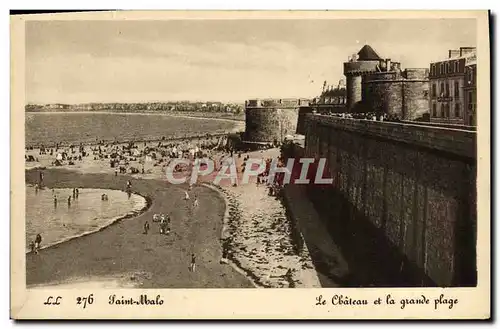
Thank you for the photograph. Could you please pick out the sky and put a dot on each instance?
(218, 60)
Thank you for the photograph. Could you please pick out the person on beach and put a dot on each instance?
(162, 226)
(41, 178)
(36, 188)
(55, 201)
(195, 204)
(116, 172)
(69, 201)
(32, 246)
(186, 195)
(74, 193)
(38, 242)
(77, 193)
(146, 227)
(192, 266)
(129, 185)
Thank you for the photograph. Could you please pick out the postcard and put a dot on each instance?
(250, 165)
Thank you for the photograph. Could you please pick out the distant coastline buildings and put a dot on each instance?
(235, 108)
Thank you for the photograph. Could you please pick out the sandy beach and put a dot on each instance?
(261, 249)
(123, 252)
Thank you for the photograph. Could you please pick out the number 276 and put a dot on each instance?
(85, 300)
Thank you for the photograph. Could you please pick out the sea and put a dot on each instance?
(86, 214)
(89, 213)
(86, 127)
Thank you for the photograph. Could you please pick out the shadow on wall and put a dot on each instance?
(372, 261)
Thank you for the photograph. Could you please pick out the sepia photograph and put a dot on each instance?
(196, 151)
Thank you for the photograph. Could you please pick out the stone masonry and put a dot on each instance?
(414, 184)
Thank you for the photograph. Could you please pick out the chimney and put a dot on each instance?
(454, 53)
(466, 50)
(388, 64)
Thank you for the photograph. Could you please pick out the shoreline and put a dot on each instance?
(225, 220)
(120, 254)
(140, 140)
(112, 221)
(175, 114)
(239, 126)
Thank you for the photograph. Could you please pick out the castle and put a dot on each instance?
(380, 85)
(373, 84)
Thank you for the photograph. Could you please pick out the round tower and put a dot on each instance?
(366, 61)
(353, 85)
(270, 120)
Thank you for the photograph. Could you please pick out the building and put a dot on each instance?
(380, 85)
(331, 99)
(448, 85)
(470, 117)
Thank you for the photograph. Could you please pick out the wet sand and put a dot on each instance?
(122, 251)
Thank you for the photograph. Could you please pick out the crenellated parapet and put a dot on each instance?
(360, 67)
(277, 102)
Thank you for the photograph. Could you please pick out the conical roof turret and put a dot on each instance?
(368, 54)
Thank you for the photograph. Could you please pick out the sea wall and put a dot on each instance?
(413, 186)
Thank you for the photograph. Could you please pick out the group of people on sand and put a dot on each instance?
(164, 226)
(35, 245)
(164, 223)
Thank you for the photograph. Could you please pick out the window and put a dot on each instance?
(448, 67)
(457, 89)
(433, 90)
(457, 110)
(442, 110)
(447, 109)
(434, 110)
(470, 97)
(441, 68)
(447, 89)
(457, 67)
(441, 89)
(470, 76)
